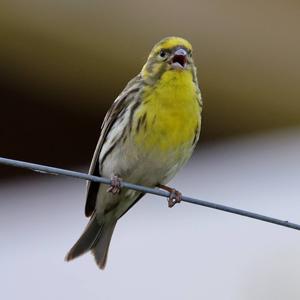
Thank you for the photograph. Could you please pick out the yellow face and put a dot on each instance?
(170, 54)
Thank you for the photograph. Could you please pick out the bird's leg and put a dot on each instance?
(116, 185)
(175, 196)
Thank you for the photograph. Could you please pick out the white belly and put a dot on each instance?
(136, 166)
(147, 168)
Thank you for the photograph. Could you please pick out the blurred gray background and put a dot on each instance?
(62, 65)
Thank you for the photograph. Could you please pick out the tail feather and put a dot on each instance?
(87, 239)
(100, 248)
(96, 237)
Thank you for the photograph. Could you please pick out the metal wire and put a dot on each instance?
(140, 188)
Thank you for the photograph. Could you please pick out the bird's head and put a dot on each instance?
(170, 54)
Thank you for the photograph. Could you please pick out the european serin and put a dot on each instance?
(148, 134)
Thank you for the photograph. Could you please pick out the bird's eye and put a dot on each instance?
(162, 53)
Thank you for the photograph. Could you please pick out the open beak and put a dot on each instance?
(179, 59)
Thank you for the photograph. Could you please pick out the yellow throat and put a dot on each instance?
(169, 116)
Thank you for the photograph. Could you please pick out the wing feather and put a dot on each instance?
(121, 102)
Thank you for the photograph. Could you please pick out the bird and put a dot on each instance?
(147, 135)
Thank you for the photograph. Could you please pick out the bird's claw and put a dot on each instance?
(174, 197)
(115, 185)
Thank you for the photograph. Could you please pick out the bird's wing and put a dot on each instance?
(119, 105)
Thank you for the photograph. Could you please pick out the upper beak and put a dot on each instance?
(179, 59)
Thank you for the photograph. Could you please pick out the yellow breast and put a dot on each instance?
(169, 116)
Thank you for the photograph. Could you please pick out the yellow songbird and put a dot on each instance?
(148, 134)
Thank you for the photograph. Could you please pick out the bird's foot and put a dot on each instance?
(115, 186)
(174, 197)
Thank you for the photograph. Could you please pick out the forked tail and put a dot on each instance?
(96, 237)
